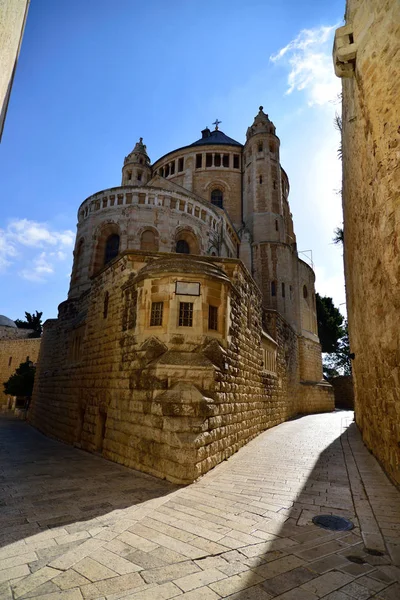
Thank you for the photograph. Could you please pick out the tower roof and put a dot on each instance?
(217, 137)
(139, 151)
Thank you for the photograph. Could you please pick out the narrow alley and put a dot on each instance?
(75, 526)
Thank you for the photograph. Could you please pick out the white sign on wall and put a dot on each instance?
(187, 288)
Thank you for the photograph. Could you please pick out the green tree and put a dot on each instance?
(339, 362)
(330, 321)
(32, 321)
(21, 382)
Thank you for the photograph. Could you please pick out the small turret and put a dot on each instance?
(261, 124)
(136, 169)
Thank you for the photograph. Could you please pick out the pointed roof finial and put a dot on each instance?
(261, 108)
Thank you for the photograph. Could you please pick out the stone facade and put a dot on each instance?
(12, 23)
(12, 353)
(367, 56)
(190, 324)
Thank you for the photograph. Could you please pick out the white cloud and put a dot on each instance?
(309, 58)
(31, 233)
(22, 235)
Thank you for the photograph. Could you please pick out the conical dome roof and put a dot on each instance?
(138, 154)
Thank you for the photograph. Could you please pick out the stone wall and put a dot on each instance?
(344, 391)
(169, 400)
(12, 23)
(12, 353)
(367, 56)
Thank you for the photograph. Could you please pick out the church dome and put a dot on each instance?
(217, 137)
(6, 322)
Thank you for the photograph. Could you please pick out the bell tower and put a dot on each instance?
(136, 169)
(267, 218)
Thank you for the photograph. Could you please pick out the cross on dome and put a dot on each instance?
(216, 123)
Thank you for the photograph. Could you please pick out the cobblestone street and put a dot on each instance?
(74, 526)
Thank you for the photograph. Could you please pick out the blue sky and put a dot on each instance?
(94, 75)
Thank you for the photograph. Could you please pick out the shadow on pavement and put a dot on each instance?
(45, 484)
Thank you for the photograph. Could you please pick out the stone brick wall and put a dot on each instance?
(169, 402)
(371, 187)
(12, 354)
(344, 391)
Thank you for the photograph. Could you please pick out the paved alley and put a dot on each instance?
(75, 526)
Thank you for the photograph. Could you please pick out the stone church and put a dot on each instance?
(190, 324)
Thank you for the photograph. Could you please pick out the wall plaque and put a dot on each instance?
(187, 288)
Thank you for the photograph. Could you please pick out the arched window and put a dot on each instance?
(148, 241)
(182, 247)
(305, 291)
(217, 198)
(111, 247)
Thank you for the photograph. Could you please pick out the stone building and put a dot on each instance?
(367, 57)
(190, 324)
(15, 347)
(13, 15)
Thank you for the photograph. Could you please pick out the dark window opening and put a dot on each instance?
(213, 318)
(217, 198)
(156, 314)
(10, 361)
(105, 305)
(185, 314)
(180, 164)
(129, 175)
(351, 38)
(141, 161)
(225, 160)
(272, 148)
(274, 185)
(166, 172)
(172, 168)
(139, 176)
(27, 359)
(276, 225)
(260, 147)
(199, 161)
(260, 178)
(305, 291)
(236, 161)
(161, 172)
(208, 160)
(182, 247)
(283, 290)
(112, 247)
(273, 288)
(217, 160)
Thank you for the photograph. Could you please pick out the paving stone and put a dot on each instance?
(203, 593)
(328, 563)
(236, 583)
(355, 590)
(196, 580)
(14, 572)
(33, 581)
(253, 593)
(73, 556)
(70, 579)
(159, 592)
(371, 584)
(115, 562)
(169, 572)
(46, 588)
(298, 594)
(276, 567)
(65, 595)
(287, 581)
(93, 570)
(327, 583)
(115, 585)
